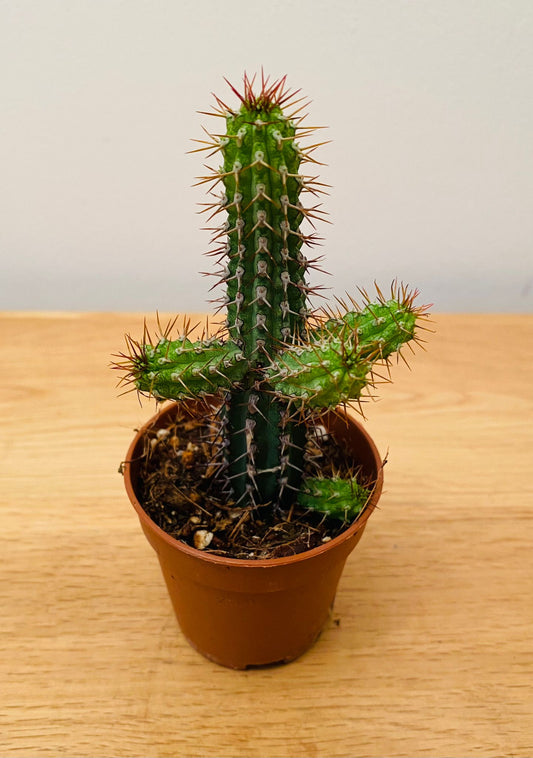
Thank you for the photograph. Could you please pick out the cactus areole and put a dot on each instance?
(276, 364)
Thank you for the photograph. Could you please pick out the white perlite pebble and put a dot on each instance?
(202, 539)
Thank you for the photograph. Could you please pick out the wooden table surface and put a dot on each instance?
(429, 652)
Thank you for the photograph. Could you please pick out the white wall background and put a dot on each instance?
(430, 109)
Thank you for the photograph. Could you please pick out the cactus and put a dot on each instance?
(277, 366)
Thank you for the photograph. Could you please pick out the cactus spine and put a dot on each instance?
(276, 368)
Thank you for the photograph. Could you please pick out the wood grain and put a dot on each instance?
(431, 652)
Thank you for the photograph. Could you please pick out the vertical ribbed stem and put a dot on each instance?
(266, 291)
(254, 467)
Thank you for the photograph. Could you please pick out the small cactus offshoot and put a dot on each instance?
(276, 365)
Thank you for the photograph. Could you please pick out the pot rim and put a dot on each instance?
(259, 563)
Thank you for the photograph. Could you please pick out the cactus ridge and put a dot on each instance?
(274, 354)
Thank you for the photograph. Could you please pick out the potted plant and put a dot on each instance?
(255, 484)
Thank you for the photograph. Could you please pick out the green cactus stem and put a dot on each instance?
(382, 325)
(180, 369)
(276, 365)
(339, 498)
(338, 361)
(265, 280)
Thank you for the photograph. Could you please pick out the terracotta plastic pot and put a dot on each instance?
(243, 613)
